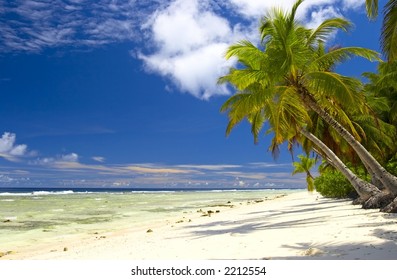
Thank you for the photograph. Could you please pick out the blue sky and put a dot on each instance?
(123, 93)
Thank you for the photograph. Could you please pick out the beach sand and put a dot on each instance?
(297, 226)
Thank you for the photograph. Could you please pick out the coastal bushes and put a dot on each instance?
(333, 184)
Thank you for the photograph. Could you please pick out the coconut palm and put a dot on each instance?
(304, 166)
(291, 59)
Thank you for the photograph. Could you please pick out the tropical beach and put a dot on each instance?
(285, 226)
(111, 164)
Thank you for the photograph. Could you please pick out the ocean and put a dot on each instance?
(33, 216)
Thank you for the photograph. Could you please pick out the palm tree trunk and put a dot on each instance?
(391, 207)
(388, 180)
(364, 189)
(374, 179)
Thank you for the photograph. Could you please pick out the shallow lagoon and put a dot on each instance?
(27, 218)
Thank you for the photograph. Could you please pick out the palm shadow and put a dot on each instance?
(264, 220)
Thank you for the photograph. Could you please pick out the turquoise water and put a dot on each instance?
(27, 218)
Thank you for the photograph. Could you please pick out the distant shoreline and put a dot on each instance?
(8, 190)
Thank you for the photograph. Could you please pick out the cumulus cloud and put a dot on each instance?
(9, 150)
(190, 42)
(319, 15)
(190, 37)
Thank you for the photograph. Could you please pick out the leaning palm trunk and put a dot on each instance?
(388, 180)
(374, 179)
(391, 207)
(364, 189)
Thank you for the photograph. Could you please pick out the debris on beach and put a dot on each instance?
(2, 254)
(312, 252)
(149, 230)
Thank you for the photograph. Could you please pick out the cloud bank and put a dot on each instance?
(70, 170)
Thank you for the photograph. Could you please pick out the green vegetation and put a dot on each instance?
(333, 184)
(289, 82)
(304, 166)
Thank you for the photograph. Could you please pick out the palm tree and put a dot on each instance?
(304, 166)
(389, 26)
(291, 59)
(365, 190)
(288, 121)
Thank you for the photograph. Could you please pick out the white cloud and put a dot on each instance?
(8, 149)
(352, 4)
(256, 9)
(190, 37)
(37, 25)
(54, 161)
(190, 42)
(98, 159)
(73, 157)
(5, 179)
(318, 16)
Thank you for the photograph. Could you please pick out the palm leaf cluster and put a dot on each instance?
(389, 26)
(290, 63)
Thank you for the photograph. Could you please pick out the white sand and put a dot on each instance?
(298, 226)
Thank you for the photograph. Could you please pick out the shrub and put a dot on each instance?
(391, 166)
(333, 184)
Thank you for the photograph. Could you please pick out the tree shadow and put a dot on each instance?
(247, 226)
(385, 248)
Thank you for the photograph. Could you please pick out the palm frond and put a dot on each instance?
(341, 88)
(286, 114)
(326, 28)
(338, 55)
(292, 14)
(378, 104)
(245, 105)
(245, 50)
(298, 168)
(389, 31)
(372, 8)
(257, 121)
(393, 113)
(387, 76)
(244, 78)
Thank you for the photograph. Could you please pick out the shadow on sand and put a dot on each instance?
(264, 220)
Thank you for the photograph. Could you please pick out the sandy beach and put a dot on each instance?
(297, 226)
